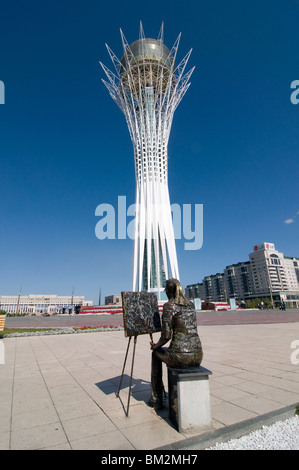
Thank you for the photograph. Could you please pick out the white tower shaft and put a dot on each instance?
(148, 88)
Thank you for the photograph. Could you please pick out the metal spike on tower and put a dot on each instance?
(148, 86)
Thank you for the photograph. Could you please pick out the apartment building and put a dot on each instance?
(237, 281)
(113, 299)
(268, 273)
(196, 291)
(214, 287)
(272, 272)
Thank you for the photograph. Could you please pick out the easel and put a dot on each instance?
(132, 367)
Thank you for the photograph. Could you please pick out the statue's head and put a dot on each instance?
(175, 291)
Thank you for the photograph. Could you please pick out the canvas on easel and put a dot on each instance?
(141, 316)
(140, 313)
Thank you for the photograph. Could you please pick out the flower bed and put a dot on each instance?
(62, 330)
(85, 329)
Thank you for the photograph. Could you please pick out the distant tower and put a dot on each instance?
(148, 88)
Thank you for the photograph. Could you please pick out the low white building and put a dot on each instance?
(38, 304)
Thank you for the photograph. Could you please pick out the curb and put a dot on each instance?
(234, 431)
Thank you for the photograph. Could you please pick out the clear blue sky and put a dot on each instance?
(65, 147)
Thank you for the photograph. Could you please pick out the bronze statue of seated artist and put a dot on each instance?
(178, 325)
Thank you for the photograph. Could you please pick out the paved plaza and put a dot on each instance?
(59, 391)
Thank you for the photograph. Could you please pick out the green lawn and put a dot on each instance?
(10, 331)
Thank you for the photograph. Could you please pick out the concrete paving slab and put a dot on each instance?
(113, 440)
(30, 418)
(5, 440)
(38, 437)
(227, 413)
(88, 425)
(58, 392)
(138, 414)
(281, 396)
(152, 434)
(256, 404)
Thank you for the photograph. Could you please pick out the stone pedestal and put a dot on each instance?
(189, 398)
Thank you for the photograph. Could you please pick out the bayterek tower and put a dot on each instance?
(148, 86)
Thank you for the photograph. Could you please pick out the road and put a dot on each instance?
(239, 317)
